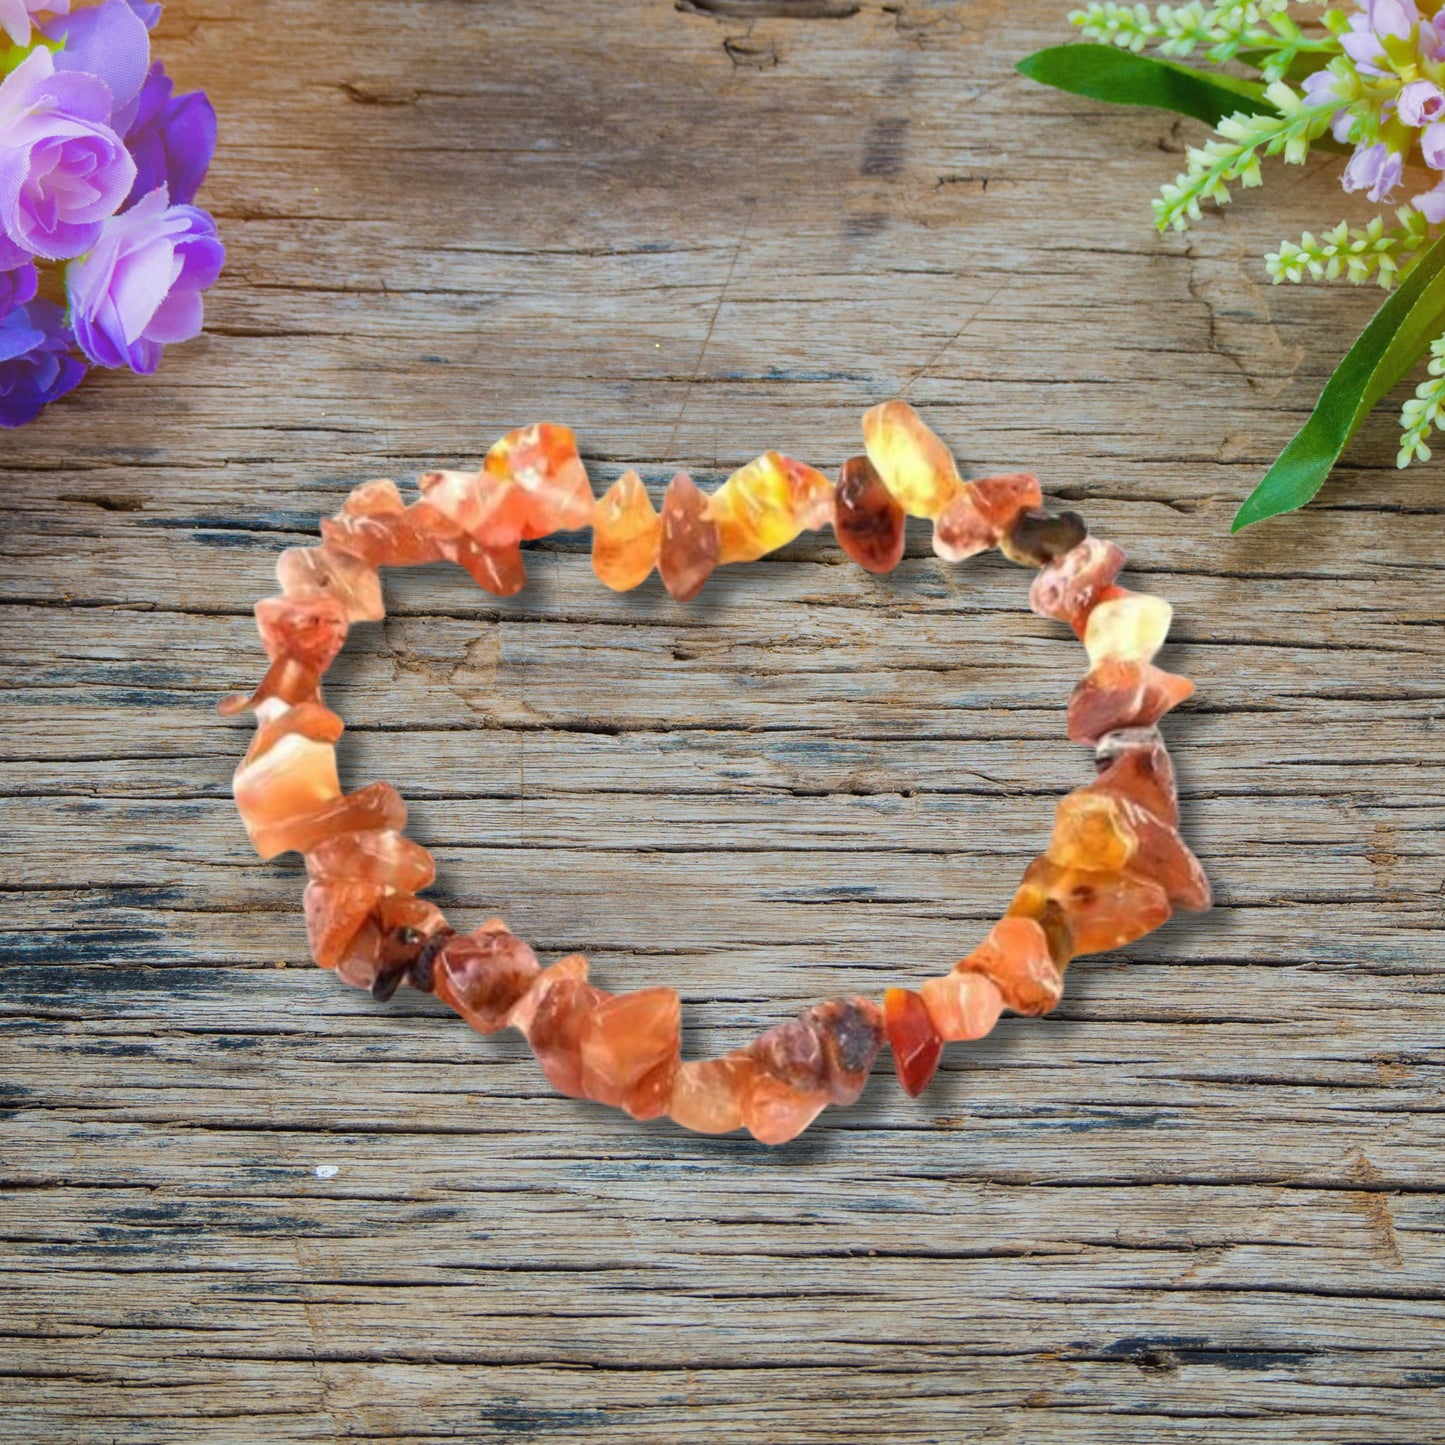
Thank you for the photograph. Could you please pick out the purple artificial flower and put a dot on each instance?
(1363, 46)
(109, 41)
(1393, 17)
(1319, 89)
(1420, 103)
(15, 16)
(140, 288)
(149, 13)
(16, 288)
(1376, 167)
(63, 170)
(171, 140)
(1432, 146)
(1431, 204)
(36, 366)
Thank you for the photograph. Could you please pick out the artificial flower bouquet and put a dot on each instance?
(99, 164)
(1364, 79)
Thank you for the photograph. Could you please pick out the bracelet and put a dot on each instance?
(1114, 870)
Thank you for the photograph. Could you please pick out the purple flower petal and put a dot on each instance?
(1431, 204)
(36, 366)
(140, 288)
(63, 170)
(172, 139)
(1432, 146)
(17, 287)
(1396, 18)
(109, 41)
(1420, 103)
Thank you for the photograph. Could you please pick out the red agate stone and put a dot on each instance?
(377, 526)
(1123, 695)
(1069, 588)
(484, 976)
(1018, 959)
(1134, 763)
(867, 521)
(915, 1042)
(629, 1047)
(690, 545)
(327, 571)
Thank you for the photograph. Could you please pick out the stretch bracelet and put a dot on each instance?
(1115, 868)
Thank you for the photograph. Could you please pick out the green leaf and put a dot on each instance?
(1104, 72)
(1397, 337)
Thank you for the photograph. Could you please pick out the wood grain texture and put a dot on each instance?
(1203, 1200)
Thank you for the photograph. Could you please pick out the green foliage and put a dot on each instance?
(1127, 79)
(1391, 344)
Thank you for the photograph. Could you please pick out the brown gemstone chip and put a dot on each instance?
(1035, 539)
(867, 521)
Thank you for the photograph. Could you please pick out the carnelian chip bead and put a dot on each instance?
(278, 789)
(630, 1047)
(962, 1006)
(287, 682)
(484, 976)
(1024, 960)
(276, 720)
(1123, 695)
(542, 466)
(774, 1111)
(327, 571)
(867, 520)
(377, 526)
(626, 534)
(1100, 910)
(1036, 538)
(559, 1020)
(766, 504)
(690, 543)
(829, 1048)
(381, 856)
(1163, 857)
(707, 1094)
(982, 512)
(498, 570)
(487, 508)
(286, 830)
(1127, 627)
(1134, 763)
(335, 912)
(394, 936)
(309, 630)
(915, 466)
(1092, 830)
(1068, 588)
(915, 1042)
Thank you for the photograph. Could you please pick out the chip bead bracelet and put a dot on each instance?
(1114, 870)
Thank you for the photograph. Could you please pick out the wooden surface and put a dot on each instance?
(1203, 1201)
